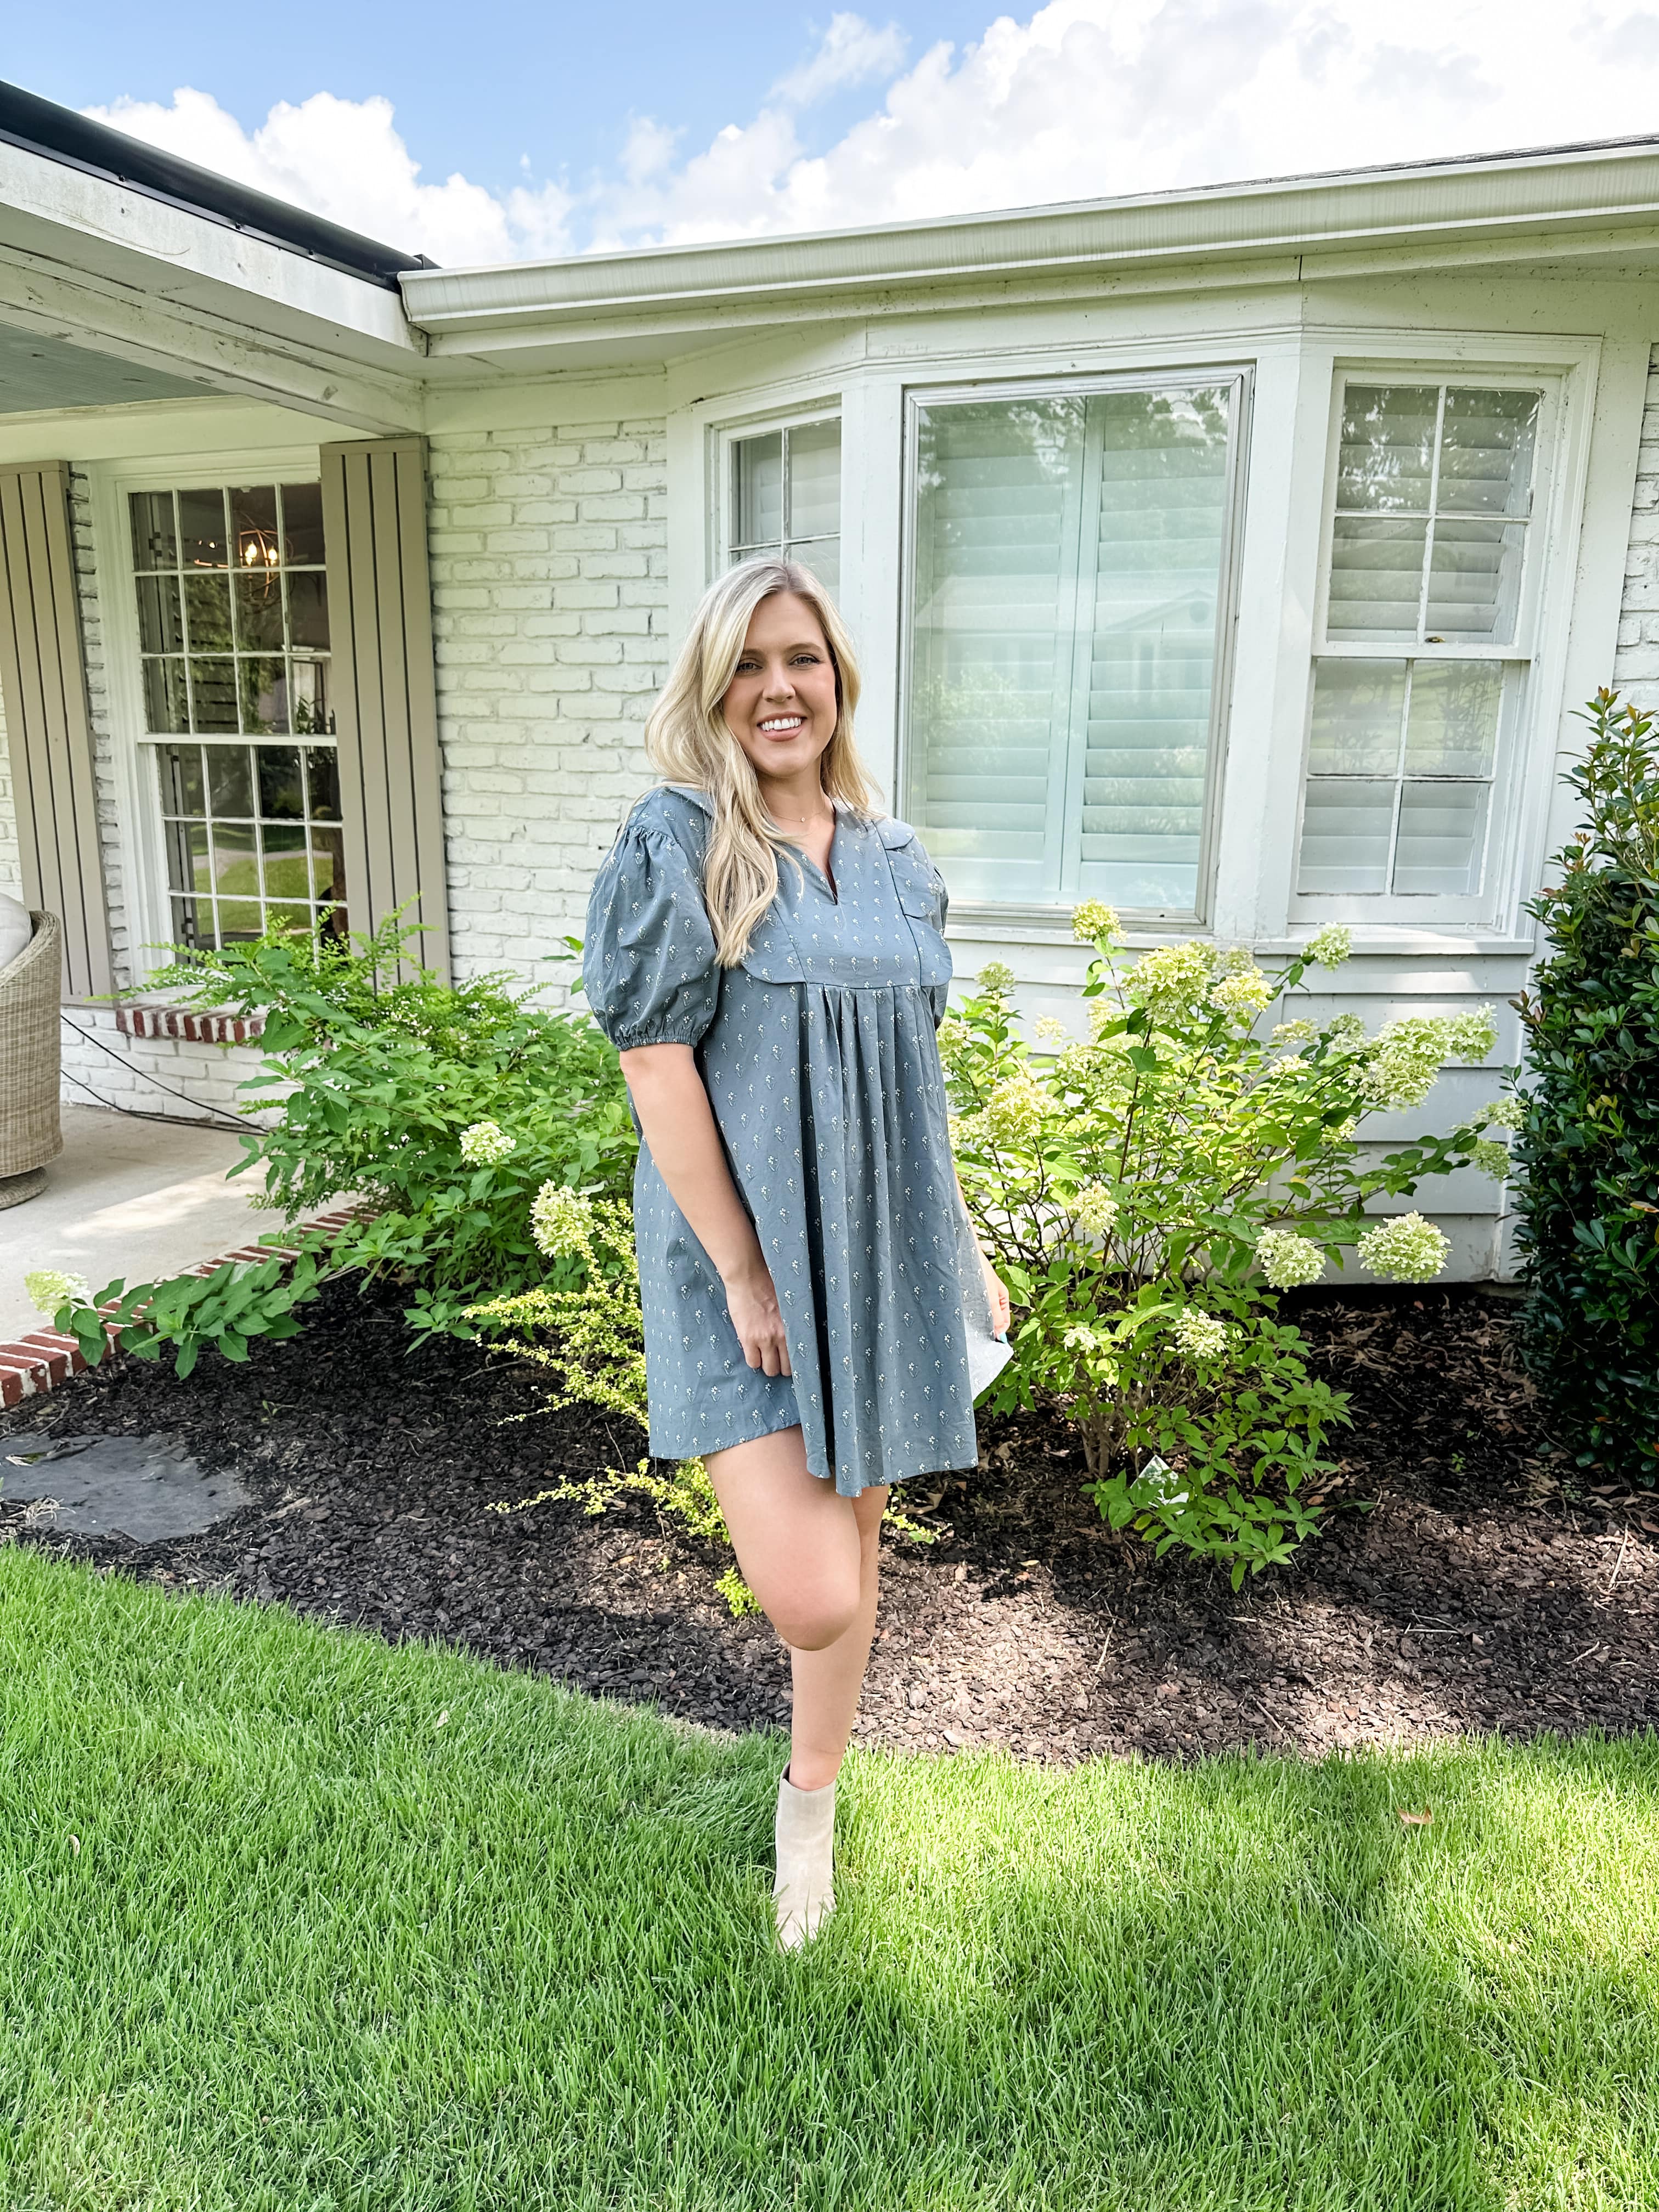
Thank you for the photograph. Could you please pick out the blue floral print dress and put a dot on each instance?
(820, 1061)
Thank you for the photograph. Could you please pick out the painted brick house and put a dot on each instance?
(1236, 556)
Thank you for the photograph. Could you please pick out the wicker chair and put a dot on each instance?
(31, 991)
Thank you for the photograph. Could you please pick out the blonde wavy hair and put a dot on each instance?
(688, 741)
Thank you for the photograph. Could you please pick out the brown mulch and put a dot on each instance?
(1467, 1578)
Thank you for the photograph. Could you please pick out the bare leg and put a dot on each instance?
(810, 1558)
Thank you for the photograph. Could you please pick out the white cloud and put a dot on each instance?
(1085, 99)
(341, 159)
(851, 52)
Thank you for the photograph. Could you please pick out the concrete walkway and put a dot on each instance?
(129, 1198)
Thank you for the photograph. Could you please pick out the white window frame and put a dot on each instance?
(728, 432)
(1231, 370)
(1532, 710)
(146, 910)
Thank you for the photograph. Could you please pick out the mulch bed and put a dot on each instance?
(1468, 1578)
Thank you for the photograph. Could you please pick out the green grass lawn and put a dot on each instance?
(350, 1926)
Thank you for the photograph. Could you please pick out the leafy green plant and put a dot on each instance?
(1148, 1192)
(444, 1108)
(1588, 1111)
(223, 1311)
(591, 1337)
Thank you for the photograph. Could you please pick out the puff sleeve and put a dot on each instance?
(648, 964)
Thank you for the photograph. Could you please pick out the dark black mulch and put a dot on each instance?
(1486, 1587)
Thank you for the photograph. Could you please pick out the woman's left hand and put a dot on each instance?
(997, 1291)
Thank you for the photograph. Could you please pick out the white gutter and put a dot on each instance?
(1555, 191)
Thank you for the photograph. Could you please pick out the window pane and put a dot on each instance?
(202, 542)
(307, 609)
(322, 766)
(258, 610)
(1387, 461)
(189, 865)
(312, 716)
(213, 696)
(1345, 836)
(1487, 452)
(1358, 708)
(302, 523)
(154, 540)
(166, 700)
(823, 556)
(1063, 630)
(193, 921)
(1377, 578)
(184, 787)
(1453, 727)
(264, 697)
(757, 490)
(1163, 496)
(207, 611)
(815, 480)
(253, 528)
(160, 624)
(995, 597)
(1442, 837)
(230, 786)
(1474, 582)
(282, 794)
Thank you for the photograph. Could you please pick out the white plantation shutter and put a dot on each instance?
(1434, 496)
(1064, 635)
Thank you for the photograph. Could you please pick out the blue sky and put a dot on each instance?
(477, 87)
(486, 132)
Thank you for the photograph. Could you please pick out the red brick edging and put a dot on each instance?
(44, 1358)
(136, 1019)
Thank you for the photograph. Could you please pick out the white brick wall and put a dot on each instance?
(550, 594)
(1636, 664)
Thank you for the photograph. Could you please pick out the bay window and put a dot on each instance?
(1067, 624)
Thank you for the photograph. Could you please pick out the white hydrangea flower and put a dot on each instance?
(1491, 1157)
(1287, 1260)
(1093, 920)
(1174, 976)
(1298, 1032)
(952, 1034)
(996, 979)
(561, 1220)
(1017, 1107)
(1508, 1113)
(1405, 1248)
(48, 1288)
(1347, 1029)
(1200, 1335)
(1291, 1064)
(1095, 1209)
(483, 1143)
(1048, 1028)
(1471, 1036)
(1246, 991)
(1330, 946)
(1406, 1057)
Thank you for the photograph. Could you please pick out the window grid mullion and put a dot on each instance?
(1434, 509)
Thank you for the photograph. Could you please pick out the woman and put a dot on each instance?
(766, 955)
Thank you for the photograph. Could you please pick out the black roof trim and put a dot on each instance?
(40, 126)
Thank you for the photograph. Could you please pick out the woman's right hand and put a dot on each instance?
(752, 1303)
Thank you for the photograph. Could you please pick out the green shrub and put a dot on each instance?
(1588, 1208)
(1147, 1194)
(445, 1108)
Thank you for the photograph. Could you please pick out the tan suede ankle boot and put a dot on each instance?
(804, 1893)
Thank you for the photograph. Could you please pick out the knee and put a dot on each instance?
(816, 1618)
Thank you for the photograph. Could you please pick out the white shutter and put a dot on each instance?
(1064, 635)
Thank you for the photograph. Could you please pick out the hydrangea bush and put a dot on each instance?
(1148, 1192)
